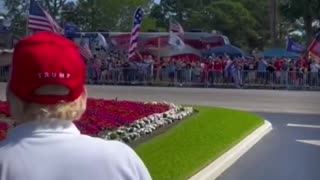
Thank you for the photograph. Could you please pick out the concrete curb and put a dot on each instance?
(217, 167)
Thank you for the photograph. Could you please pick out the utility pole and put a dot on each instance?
(273, 8)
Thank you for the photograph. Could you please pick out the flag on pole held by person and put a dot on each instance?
(137, 20)
(176, 41)
(101, 41)
(294, 47)
(314, 48)
(176, 31)
(232, 71)
(70, 29)
(85, 50)
(40, 20)
(175, 27)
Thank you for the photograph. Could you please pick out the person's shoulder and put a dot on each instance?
(109, 146)
(120, 154)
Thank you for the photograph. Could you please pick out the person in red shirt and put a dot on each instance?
(208, 75)
(299, 68)
(218, 70)
(277, 65)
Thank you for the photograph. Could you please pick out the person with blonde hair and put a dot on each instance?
(46, 93)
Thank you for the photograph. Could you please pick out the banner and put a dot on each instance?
(294, 47)
(70, 29)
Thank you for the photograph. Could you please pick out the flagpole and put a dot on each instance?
(158, 71)
(159, 44)
(27, 19)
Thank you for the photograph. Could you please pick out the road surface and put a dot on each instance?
(288, 152)
(306, 102)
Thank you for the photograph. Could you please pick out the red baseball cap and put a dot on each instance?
(44, 59)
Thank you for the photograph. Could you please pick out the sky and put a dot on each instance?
(2, 6)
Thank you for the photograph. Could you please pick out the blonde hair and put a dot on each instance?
(23, 111)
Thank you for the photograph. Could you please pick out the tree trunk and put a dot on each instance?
(308, 28)
(273, 8)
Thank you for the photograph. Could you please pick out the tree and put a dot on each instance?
(179, 10)
(68, 11)
(148, 23)
(187, 12)
(306, 10)
(17, 12)
(112, 15)
(259, 10)
(54, 7)
(232, 19)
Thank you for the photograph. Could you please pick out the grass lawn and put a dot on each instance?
(196, 142)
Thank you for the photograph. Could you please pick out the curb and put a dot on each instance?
(217, 167)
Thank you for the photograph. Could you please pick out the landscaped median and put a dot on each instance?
(175, 142)
(197, 141)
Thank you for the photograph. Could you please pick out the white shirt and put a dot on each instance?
(57, 151)
(314, 67)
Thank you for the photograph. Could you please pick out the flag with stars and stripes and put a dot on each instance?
(176, 33)
(175, 27)
(137, 19)
(85, 50)
(40, 20)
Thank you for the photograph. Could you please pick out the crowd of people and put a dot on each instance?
(114, 68)
(210, 71)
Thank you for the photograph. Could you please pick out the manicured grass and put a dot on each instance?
(197, 141)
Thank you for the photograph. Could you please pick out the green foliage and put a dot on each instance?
(17, 12)
(306, 10)
(112, 15)
(90, 15)
(148, 23)
(230, 18)
(244, 21)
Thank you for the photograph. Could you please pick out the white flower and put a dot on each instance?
(148, 124)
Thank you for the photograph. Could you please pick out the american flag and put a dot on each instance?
(137, 19)
(85, 50)
(40, 20)
(175, 27)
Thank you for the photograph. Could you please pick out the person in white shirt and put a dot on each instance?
(44, 99)
(314, 70)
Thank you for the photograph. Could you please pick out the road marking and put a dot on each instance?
(312, 142)
(304, 125)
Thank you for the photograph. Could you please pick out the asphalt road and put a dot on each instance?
(278, 156)
(305, 102)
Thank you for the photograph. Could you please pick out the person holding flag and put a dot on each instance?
(233, 72)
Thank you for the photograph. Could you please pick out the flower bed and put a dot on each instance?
(121, 120)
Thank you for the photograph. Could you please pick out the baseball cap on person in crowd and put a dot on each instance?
(45, 59)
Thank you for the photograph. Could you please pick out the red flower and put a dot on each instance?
(103, 114)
